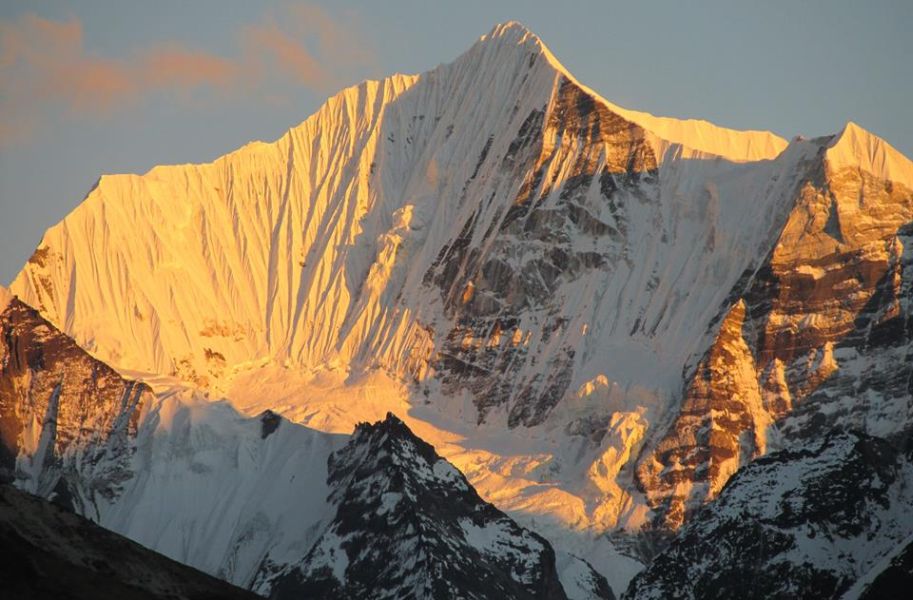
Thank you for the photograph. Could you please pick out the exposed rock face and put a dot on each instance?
(51, 553)
(62, 411)
(799, 524)
(721, 426)
(820, 337)
(556, 230)
(407, 524)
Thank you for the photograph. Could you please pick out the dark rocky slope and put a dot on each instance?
(51, 553)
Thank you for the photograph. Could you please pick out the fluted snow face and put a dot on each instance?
(233, 257)
(287, 250)
(325, 247)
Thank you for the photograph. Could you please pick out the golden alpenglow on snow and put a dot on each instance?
(472, 333)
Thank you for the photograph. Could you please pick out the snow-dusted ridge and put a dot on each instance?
(408, 524)
(799, 523)
(695, 136)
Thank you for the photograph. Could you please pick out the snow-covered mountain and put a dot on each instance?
(407, 524)
(795, 524)
(819, 337)
(597, 315)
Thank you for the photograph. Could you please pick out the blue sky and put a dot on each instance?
(108, 87)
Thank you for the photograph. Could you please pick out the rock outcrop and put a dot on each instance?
(64, 416)
(407, 524)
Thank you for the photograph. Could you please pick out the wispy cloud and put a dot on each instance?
(46, 70)
(307, 45)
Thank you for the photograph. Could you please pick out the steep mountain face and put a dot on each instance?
(407, 524)
(63, 415)
(796, 523)
(51, 553)
(821, 336)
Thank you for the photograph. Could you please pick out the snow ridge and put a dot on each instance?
(696, 136)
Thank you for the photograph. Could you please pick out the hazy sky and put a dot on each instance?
(95, 87)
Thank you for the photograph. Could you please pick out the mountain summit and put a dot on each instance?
(691, 134)
(856, 148)
(293, 250)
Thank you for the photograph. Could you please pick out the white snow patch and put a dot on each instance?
(388, 502)
(5, 298)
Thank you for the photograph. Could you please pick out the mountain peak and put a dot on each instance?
(510, 40)
(514, 38)
(390, 427)
(513, 30)
(856, 147)
(428, 532)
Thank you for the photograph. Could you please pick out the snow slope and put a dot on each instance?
(265, 492)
